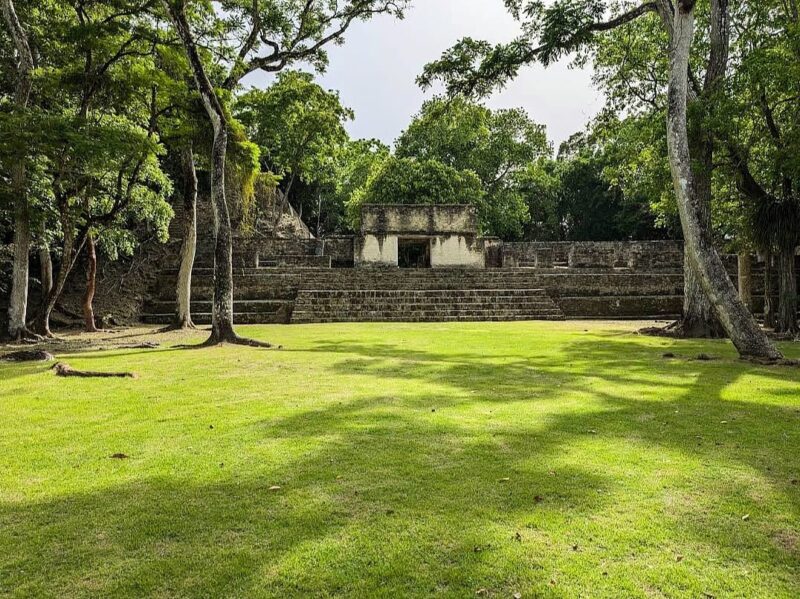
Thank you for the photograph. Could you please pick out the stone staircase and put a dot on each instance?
(292, 294)
(245, 311)
(428, 305)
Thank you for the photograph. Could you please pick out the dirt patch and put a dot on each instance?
(788, 540)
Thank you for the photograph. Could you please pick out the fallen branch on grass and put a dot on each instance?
(62, 369)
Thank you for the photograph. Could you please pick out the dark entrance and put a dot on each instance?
(413, 253)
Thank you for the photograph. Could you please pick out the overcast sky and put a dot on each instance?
(375, 70)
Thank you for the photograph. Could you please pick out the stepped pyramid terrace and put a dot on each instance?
(428, 263)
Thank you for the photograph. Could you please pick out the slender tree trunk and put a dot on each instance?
(738, 323)
(18, 302)
(45, 264)
(786, 321)
(91, 285)
(70, 249)
(222, 304)
(769, 307)
(188, 244)
(745, 279)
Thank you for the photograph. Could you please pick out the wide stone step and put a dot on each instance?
(298, 261)
(311, 319)
(204, 318)
(424, 305)
(430, 293)
(252, 306)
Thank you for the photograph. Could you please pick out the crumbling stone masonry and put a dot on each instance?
(428, 263)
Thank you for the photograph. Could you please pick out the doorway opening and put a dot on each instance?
(413, 253)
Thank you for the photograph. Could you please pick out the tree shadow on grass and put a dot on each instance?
(381, 506)
(682, 407)
(381, 495)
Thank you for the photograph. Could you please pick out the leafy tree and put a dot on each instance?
(298, 126)
(552, 31)
(412, 181)
(573, 198)
(759, 127)
(272, 37)
(495, 145)
(89, 131)
(18, 301)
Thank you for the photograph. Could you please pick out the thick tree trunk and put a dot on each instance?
(91, 285)
(188, 244)
(738, 323)
(18, 302)
(786, 320)
(698, 320)
(769, 306)
(745, 279)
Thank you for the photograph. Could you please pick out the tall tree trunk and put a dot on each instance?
(786, 321)
(18, 302)
(738, 323)
(91, 285)
(769, 306)
(745, 278)
(222, 304)
(699, 320)
(188, 244)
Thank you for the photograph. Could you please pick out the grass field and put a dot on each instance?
(497, 460)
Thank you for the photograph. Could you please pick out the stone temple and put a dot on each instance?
(428, 263)
(405, 236)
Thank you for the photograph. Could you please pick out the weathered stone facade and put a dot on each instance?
(465, 277)
(445, 235)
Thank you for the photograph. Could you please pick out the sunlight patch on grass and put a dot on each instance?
(547, 459)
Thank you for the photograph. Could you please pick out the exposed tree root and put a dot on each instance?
(26, 336)
(213, 341)
(766, 362)
(31, 355)
(145, 345)
(178, 326)
(680, 330)
(62, 369)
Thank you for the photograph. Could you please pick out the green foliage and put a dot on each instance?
(274, 35)
(297, 124)
(93, 153)
(412, 181)
(495, 145)
(549, 31)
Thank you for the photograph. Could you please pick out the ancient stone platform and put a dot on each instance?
(311, 294)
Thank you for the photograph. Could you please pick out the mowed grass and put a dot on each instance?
(460, 460)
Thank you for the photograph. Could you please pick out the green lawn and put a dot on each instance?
(539, 459)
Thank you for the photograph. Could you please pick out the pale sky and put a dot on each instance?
(375, 70)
